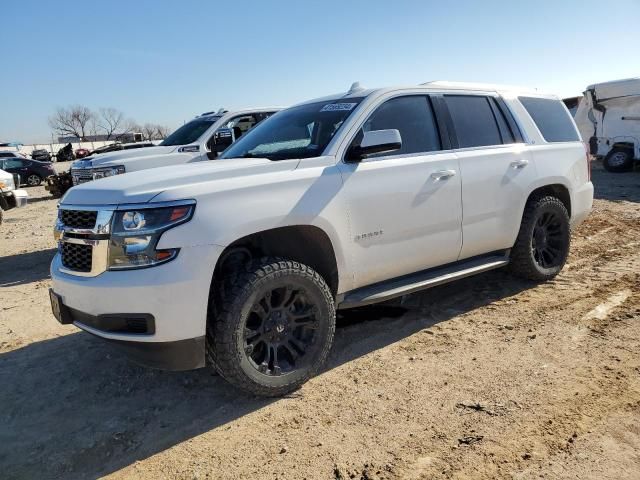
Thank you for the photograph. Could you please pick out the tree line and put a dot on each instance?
(80, 121)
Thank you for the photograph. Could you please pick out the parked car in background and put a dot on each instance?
(338, 202)
(608, 117)
(65, 154)
(41, 155)
(57, 185)
(11, 154)
(10, 195)
(203, 138)
(32, 172)
(82, 152)
(116, 147)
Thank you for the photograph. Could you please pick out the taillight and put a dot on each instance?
(587, 154)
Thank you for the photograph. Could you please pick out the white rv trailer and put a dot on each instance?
(608, 117)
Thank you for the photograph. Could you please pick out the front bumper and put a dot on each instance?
(175, 295)
(179, 355)
(13, 199)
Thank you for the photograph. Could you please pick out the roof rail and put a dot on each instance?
(475, 86)
(220, 111)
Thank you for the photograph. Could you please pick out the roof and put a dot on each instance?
(617, 88)
(359, 92)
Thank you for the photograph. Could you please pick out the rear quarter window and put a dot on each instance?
(551, 118)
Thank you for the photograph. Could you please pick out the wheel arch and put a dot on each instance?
(627, 145)
(307, 244)
(558, 190)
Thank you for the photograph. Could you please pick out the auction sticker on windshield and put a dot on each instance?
(338, 107)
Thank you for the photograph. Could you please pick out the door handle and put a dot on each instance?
(520, 163)
(443, 174)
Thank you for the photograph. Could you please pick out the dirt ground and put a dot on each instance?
(490, 377)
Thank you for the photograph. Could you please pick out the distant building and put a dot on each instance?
(10, 146)
(120, 137)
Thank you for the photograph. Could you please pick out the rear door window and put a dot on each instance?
(474, 121)
(551, 118)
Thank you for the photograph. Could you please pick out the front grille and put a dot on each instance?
(79, 218)
(81, 175)
(76, 257)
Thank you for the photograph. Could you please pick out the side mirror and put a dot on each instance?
(221, 139)
(375, 141)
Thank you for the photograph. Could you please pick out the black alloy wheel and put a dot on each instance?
(542, 246)
(280, 331)
(548, 242)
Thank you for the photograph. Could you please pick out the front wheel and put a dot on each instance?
(542, 246)
(273, 327)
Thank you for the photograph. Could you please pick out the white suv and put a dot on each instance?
(203, 138)
(335, 203)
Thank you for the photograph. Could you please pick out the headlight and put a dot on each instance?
(103, 172)
(136, 232)
(7, 185)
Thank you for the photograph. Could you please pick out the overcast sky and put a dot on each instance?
(165, 62)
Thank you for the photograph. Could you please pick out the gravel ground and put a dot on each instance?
(489, 377)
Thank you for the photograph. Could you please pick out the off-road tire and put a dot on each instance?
(523, 262)
(617, 154)
(229, 315)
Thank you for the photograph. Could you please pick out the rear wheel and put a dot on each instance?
(273, 327)
(542, 246)
(618, 160)
(34, 180)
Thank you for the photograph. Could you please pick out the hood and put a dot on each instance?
(116, 158)
(143, 186)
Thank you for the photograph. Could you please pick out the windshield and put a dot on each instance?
(189, 132)
(298, 132)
